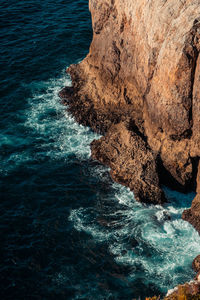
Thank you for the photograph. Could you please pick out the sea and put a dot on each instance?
(67, 231)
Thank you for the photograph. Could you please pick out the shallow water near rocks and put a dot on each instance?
(68, 231)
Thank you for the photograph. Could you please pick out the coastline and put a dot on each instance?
(149, 114)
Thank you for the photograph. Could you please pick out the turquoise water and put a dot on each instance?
(68, 231)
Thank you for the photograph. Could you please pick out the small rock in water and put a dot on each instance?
(196, 264)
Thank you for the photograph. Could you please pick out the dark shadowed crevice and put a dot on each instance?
(168, 180)
(193, 72)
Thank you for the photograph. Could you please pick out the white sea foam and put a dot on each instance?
(151, 239)
(49, 127)
(48, 117)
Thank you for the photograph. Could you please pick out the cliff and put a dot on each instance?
(140, 87)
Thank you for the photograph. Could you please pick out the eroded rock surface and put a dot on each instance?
(196, 264)
(143, 68)
(192, 215)
(131, 161)
(140, 87)
(187, 291)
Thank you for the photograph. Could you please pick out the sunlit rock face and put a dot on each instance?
(143, 72)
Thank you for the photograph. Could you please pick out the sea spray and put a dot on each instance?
(152, 240)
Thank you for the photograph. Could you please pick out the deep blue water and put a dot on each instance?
(68, 231)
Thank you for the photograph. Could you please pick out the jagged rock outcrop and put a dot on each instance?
(143, 68)
(196, 264)
(187, 291)
(131, 161)
(192, 215)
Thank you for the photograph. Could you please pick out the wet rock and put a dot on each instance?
(196, 264)
(187, 291)
(192, 215)
(66, 93)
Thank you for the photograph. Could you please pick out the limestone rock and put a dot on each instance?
(143, 67)
(132, 163)
(192, 215)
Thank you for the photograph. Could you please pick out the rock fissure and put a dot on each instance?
(193, 73)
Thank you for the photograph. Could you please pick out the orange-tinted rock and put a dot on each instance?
(143, 68)
(192, 215)
(187, 291)
(132, 163)
(195, 149)
(196, 264)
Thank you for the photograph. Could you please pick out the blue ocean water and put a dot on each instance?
(68, 231)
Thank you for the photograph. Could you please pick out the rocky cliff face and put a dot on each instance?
(140, 87)
(192, 215)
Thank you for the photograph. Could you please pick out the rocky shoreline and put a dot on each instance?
(139, 86)
(189, 290)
